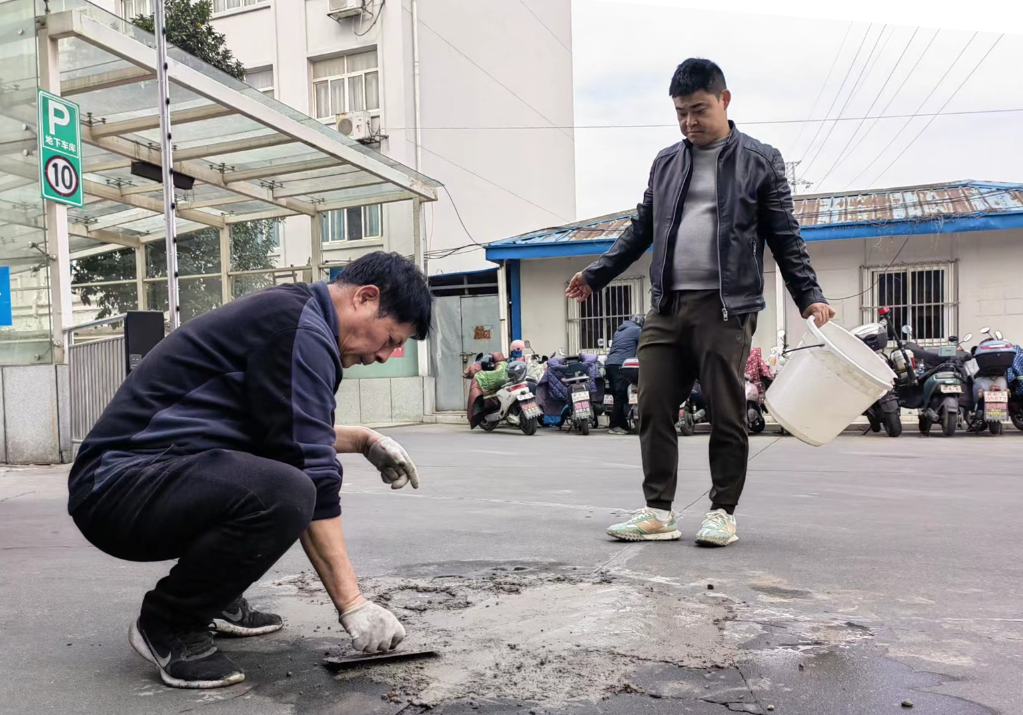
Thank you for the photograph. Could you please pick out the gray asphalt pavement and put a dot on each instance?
(868, 572)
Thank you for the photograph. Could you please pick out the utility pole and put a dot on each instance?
(794, 181)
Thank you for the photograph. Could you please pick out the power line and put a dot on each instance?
(477, 66)
(751, 123)
(827, 79)
(870, 109)
(891, 99)
(459, 215)
(483, 178)
(839, 93)
(908, 121)
(530, 11)
(856, 85)
(931, 120)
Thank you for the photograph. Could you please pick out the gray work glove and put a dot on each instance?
(395, 466)
(373, 628)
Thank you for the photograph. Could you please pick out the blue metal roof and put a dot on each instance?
(915, 210)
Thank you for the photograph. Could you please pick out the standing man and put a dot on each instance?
(623, 347)
(711, 204)
(220, 451)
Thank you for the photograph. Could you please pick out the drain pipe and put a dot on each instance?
(415, 85)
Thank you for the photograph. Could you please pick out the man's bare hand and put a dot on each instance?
(578, 288)
(821, 312)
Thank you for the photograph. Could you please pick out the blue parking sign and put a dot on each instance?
(6, 312)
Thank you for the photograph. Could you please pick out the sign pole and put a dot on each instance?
(60, 157)
(173, 307)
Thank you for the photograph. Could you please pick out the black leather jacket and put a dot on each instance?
(754, 208)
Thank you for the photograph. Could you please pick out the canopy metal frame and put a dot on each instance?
(251, 157)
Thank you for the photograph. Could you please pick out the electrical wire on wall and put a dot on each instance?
(375, 15)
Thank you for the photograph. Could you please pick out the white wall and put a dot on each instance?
(544, 306)
(990, 288)
(485, 66)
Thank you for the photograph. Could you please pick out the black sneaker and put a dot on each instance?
(185, 658)
(241, 621)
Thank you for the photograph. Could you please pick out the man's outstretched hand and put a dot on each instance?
(821, 312)
(392, 461)
(373, 628)
(578, 288)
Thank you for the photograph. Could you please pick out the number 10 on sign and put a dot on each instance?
(60, 150)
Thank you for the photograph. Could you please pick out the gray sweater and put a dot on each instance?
(695, 263)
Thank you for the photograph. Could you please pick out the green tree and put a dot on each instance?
(198, 255)
(189, 28)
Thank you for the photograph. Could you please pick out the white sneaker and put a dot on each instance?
(718, 529)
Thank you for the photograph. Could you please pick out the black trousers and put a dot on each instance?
(226, 516)
(620, 391)
(690, 341)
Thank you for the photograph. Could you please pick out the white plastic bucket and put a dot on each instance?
(830, 379)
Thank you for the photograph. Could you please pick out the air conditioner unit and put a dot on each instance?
(340, 9)
(354, 125)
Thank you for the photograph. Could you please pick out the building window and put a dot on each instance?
(130, 9)
(352, 224)
(922, 296)
(261, 79)
(350, 83)
(593, 323)
(225, 5)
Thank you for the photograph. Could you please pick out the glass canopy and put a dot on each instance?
(252, 158)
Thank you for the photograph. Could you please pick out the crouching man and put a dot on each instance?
(219, 450)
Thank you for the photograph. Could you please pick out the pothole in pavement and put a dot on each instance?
(512, 633)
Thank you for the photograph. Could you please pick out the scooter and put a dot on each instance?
(755, 409)
(693, 411)
(938, 384)
(513, 403)
(580, 412)
(985, 405)
(630, 371)
(885, 412)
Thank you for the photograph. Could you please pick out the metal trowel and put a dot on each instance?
(336, 663)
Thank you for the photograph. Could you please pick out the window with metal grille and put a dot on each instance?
(922, 296)
(593, 323)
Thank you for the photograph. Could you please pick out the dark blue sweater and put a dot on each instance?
(258, 375)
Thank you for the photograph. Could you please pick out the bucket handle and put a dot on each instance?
(805, 347)
(811, 323)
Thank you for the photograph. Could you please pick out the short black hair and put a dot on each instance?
(404, 290)
(696, 74)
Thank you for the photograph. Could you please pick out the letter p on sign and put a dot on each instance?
(59, 117)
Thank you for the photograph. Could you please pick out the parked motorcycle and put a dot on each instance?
(885, 412)
(630, 371)
(694, 411)
(580, 411)
(755, 408)
(1015, 375)
(985, 404)
(937, 386)
(513, 403)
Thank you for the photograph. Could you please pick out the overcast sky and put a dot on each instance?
(849, 60)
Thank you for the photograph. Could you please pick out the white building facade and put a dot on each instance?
(492, 118)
